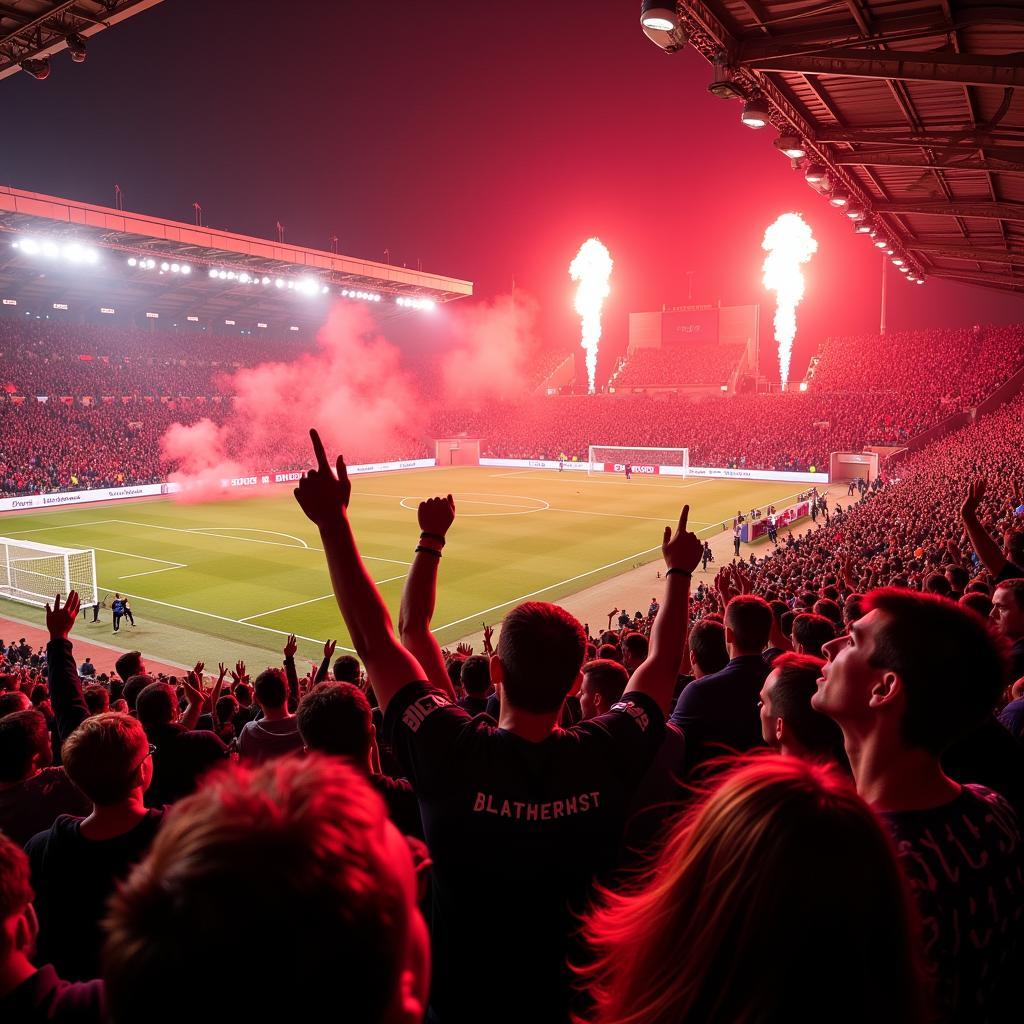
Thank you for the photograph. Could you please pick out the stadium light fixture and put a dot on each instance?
(889, 251)
(76, 47)
(920, 280)
(862, 227)
(258, 324)
(192, 319)
(838, 198)
(107, 310)
(897, 262)
(856, 212)
(755, 113)
(881, 242)
(279, 283)
(661, 24)
(37, 67)
(815, 174)
(791, 146)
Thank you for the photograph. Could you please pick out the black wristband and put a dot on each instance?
(681, 572)
(428, 551)
(432, 536)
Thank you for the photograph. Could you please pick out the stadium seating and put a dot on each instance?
(694, 364)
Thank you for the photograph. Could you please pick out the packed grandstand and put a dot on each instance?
(787, 788)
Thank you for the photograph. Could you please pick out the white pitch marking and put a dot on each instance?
(149, 572)
(312, 600)
(244, 540)
(68, 526)
(243, 529)
(223, 618)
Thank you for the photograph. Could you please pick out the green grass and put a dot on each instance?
(250, 571)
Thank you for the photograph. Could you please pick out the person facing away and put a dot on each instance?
(277, 732)
(915, 674)
(776, 897)
(539, 807)
(295, 860)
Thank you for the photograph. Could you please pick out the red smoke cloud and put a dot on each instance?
(352, 388)
(490, 353)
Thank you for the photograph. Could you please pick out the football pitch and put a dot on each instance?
(251, 570)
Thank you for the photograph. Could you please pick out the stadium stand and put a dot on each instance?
(703, 364)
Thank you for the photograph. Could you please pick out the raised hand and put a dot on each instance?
(464, 649)
(193, 686)
(975, 494)
(436, 515)
(290, 646)
(488, 633)
(681, 549)
(320, 494)
(329, 646)
(59, 620)
(198, 671)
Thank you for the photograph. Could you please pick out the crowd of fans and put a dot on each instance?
(789, 792)
(137, 383)
(703, 363)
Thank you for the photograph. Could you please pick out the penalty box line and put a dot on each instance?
(560, 583)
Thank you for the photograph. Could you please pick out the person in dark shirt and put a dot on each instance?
(1004, 563)
(1008, 619)
(913, 676)
(32, 791)
(335, 719)
(540, 808)
(182, 756)
(77, 862)
(718, 713)
(476, 680)
(29, 995)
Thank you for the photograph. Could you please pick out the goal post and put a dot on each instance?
(33, 573)
(674, 461)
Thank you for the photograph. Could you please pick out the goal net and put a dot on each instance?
(615, 458)
(33, 573)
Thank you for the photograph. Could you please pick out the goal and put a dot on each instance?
(615, 458)
(33, 573)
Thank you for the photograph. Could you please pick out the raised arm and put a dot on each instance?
(657, 675)
(69, 707)
(325, 664)
(988, 550)
(324, 498)
(436, 516)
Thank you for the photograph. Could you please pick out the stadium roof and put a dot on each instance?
(914, 107)
(33, 29)
(247, 269)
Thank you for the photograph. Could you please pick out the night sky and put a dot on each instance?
(487, 140)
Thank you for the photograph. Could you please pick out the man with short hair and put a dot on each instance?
(788, 722)
(130, 664)
(539, 807)
(719, 713)
(29, 995)
(1008, 619)
(276, 734)
(901, 704)
(634, 651)
(336, 719)
(77, 862)
(476, 680)
(603, 683)
(297, 857)
(811, 632)
(32, 791)
(182, 756)
(97, 698)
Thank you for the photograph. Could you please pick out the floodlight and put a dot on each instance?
(279, 283)
(213, 272)
(791, 146)
(186, 269)
(862, 227)
(661, 24)
(920, 280)
(50, 250)
(37, 67)
(815, 174)
(165, 266)
(897, 262)
(889, 251)
(722, 84)
(881, 242)
(76, 47)
(855, 211)
(755, 113)
(132, 262)
(838, 198)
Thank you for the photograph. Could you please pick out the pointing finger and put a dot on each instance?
(318, 450)
(683, 516)
(341, 468)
